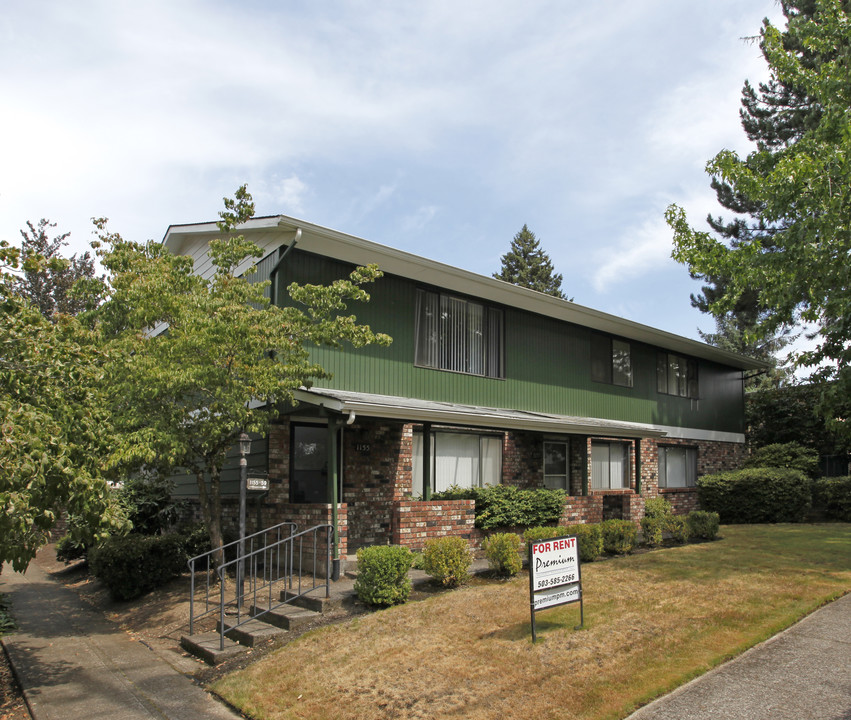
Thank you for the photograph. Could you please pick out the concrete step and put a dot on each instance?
(251, 632)
(206, 646)
(316, 601)
(287, 617)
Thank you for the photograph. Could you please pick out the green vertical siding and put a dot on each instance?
(547, 364)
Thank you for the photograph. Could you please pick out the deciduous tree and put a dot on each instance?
(802, 192)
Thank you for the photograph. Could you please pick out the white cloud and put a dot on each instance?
(636, 253)
(418, 220)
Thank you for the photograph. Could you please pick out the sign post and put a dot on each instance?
(554, 576)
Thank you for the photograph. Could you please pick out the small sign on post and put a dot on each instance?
(554, 576)
(257, 483)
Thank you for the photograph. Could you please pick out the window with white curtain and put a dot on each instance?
(609, 465)
(459, 335)
(461, 459)
(677, 467)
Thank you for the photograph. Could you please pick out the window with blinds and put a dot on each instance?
(458, 459)
(677, 467)
(458, 335)
(609, 465)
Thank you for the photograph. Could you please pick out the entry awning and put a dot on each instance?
(415, 410)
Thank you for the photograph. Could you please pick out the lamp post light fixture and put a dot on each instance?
(244, 451)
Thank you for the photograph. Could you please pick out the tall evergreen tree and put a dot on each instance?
(47, 285)
(526, 264)
(774, 116)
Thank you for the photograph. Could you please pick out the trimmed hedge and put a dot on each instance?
(679, 528)
(703, 524)
(588, 537)
(383, 574)
(756, 495)
(447, 560)
(619, 536)
(503, 506)
(131, 565)
(503, 553)
(832, 496)
(657, 507)
(791, 455)
(652, 528)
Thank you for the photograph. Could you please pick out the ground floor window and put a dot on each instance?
(609, 465)
(462, 459)
(556, 473)
(677, 467)
(309, 464)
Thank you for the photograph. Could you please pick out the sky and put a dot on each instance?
(437, 127)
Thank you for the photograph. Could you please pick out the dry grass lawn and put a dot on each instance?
(652, 621)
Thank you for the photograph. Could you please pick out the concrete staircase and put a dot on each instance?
(265, 625)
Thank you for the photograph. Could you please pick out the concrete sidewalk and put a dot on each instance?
(804, 673)
(74, 664)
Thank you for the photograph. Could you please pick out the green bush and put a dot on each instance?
(619, 536)
(832, 497)
(131, 565)
(652, 528)
(503, 506)
(196, 539)
(147, 502)
(383, 574)
(68, 549)
(679, 528)
(790, 455)
(657, 507)
(590, 541)
(503, 553)
(756, 495)
(703, 525)
(448, 560)
(588, 538)
(7, 622)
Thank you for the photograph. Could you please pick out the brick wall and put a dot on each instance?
(416, 521)
(523, 459)
(582, 509)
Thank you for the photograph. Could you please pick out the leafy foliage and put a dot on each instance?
(447, 560)
(651, 528)
(68, 549)
(504, 506)
(657, 507)
(756, 495)
(48, 282)
(797, 189)
(526, 264)
(228, 359)
(383, 574)
(147, 502)
(703, 524)
(503, 553)
(7, 622)
(131, 565)
(785, 455)
(678, 527)
(619, 536)
(55, 427)
(832, 497)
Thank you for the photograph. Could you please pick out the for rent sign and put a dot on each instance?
(554, 577)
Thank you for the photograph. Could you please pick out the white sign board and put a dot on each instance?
(554, 577)
(257, 483)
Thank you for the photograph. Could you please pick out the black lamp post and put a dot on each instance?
(244, 451)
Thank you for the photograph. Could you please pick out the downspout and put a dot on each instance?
(638, 466)
(426, 461)
(333, 488)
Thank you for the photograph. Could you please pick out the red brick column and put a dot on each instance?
(416, 521)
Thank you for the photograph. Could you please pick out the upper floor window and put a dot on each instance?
(611, 360)
(676, 375)
(457, 334)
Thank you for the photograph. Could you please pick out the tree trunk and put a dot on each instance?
(211, 514)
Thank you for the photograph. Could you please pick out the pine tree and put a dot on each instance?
(527, 265)
(47, 285)
(774, 116)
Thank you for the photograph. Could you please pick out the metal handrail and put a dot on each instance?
(264, 553)
(208, 556)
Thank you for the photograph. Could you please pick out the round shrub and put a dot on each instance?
(196, 539)
(68, 549)
(702, 524)
(590, 541)
(383, 574)
(131, 565)
(657, 507)
(447, 560)
(651, 527)
(542, 532)
(679, 528)
(619, 536)
(756, 495)
(790, 455)
(503, 553)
